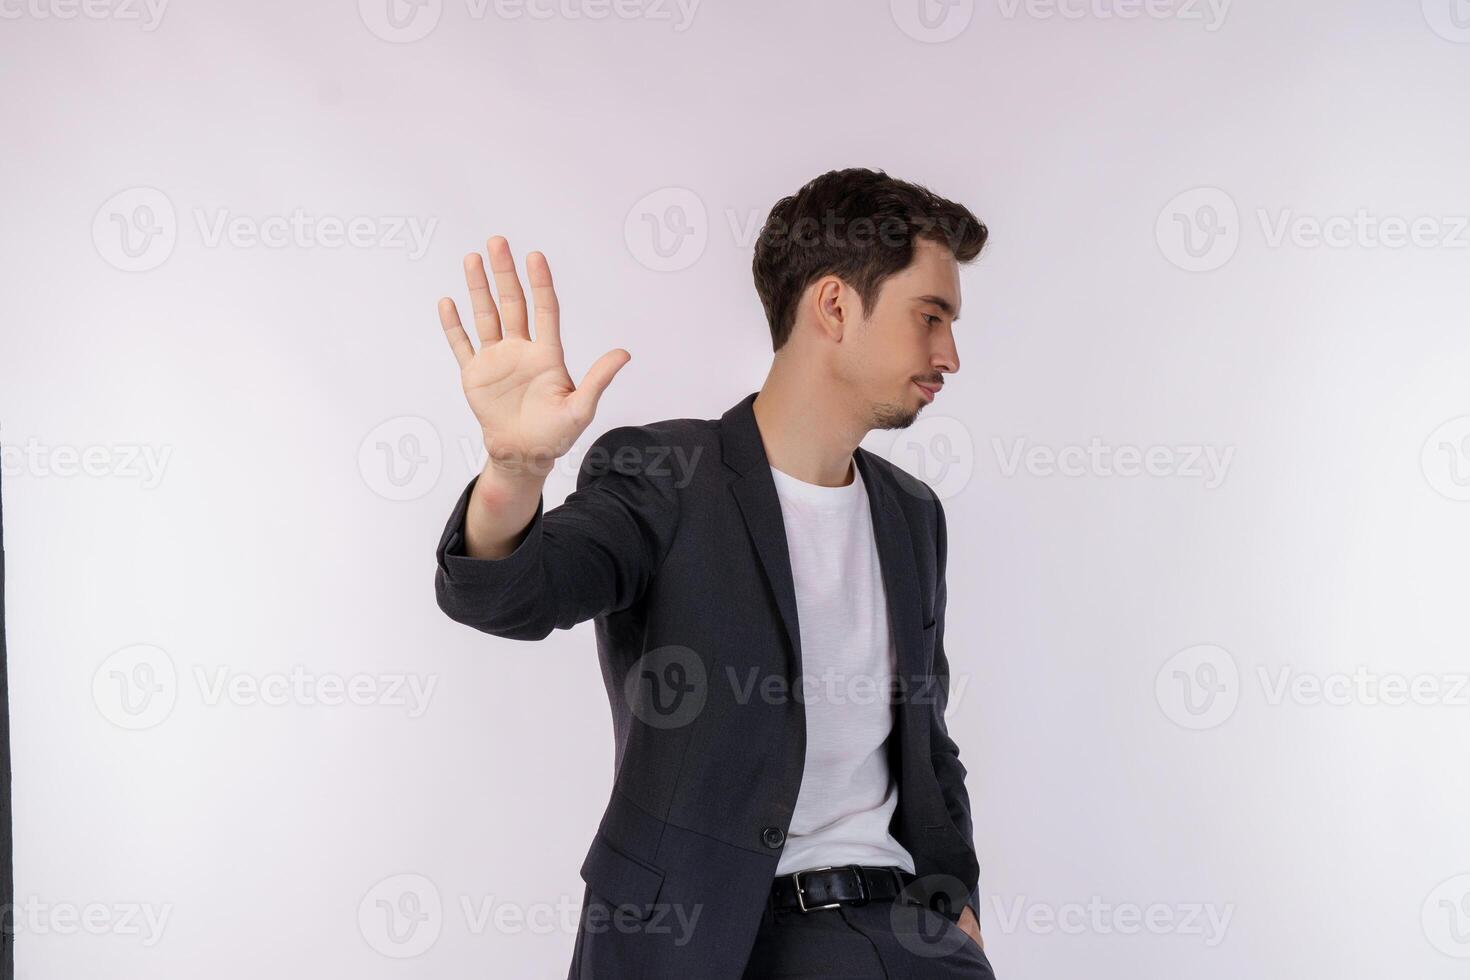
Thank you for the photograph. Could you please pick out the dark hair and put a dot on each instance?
(859, 225)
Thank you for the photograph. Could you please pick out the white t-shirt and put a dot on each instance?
(847, 795)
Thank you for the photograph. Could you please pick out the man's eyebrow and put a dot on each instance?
(942, 303)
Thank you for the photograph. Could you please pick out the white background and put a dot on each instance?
(274, 532)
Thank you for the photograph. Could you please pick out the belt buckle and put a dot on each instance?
(801, 895)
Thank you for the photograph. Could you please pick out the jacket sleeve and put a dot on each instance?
(594, 553)
(945, 753)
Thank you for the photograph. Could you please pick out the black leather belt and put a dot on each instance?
(826, 888)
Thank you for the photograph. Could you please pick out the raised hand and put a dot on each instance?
(529, 411)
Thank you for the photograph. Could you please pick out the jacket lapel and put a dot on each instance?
(755, 492)
(900, 571)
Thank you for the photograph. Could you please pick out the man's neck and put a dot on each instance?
(809, 430)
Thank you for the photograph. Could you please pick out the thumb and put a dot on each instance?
(597, 378)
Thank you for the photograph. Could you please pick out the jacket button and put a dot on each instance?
(773, 837)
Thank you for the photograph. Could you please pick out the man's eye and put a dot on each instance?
(931, 319)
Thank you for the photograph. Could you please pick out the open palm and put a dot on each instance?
(529, 410)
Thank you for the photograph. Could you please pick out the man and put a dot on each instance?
(768, 600)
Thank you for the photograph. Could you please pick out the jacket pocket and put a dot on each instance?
(621, 879)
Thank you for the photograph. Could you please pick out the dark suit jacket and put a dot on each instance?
(674, 545)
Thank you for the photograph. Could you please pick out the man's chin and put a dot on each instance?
(894, 417)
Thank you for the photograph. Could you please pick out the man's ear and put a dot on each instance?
(836, 306)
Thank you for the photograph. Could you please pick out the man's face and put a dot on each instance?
(906, 343)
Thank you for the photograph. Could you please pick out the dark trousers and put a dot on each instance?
(881, 940)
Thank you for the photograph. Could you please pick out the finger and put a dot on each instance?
(595, 382)
(459, 341)
(487, 319)
(543, 298)
(511, 300)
